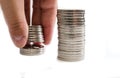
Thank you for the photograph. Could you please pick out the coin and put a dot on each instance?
(35, 35)
(71, 34)
(31, 51)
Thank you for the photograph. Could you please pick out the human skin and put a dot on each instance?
(17, 16)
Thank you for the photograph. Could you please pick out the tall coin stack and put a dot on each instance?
(71, 34)
(34, 45)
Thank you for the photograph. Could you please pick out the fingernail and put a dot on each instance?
(19, 41)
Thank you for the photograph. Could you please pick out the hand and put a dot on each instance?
(17, 15)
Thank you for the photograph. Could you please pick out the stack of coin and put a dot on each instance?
(35, 36)
(71, 34)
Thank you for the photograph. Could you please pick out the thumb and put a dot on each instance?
(13, 11)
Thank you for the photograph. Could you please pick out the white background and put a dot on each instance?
(102, 55)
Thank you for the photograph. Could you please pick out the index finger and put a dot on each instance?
(48, 16)
(27, 10)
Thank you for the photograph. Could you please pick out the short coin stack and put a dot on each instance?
(71, 34)
(35, 36)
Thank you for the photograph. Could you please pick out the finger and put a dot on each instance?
(14, 14)
(36, 13)
(27, 10)
(49, 10)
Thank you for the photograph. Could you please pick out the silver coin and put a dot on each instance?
(71, 26)
(70, 10)
(70, 59)
(72, 53)
(34, 36)
(65, 54)
(70, 36)
(70, 56)
(71, 33)
(70, 23)
(35, 28)
(61, 13)
(82, 30)
(61, 30)
(66, 46)
(62, 21)
(67, 49)
(68, 52)
(35, 40)
(74, 46)
(72, 40)
(74, 31)
(71, 29)
(35, 32)
(69, 13)
(67, 36)
(70, 16)
(72, 43)
(61, 51)
(75, 40)
(38, 39)
(69, 40)
(31, 52)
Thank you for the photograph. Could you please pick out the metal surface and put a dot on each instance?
(31, 51)
(71, 34)
(35, 35)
